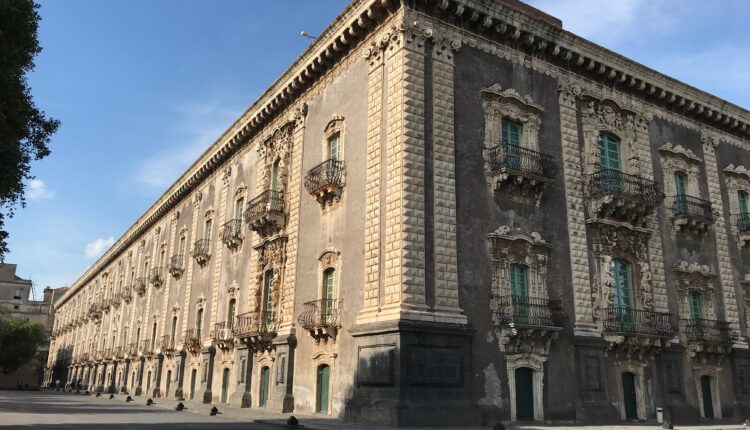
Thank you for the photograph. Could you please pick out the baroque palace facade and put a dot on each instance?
(444, 212)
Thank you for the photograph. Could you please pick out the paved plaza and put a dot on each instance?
(54, 410)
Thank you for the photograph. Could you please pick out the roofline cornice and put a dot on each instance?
(500, 22)
(346, 32)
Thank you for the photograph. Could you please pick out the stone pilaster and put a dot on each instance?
(166, 315)
(190, 263)
(576, 218)
(726, 272)
(218, 249)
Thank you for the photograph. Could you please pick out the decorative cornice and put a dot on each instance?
(680, 151)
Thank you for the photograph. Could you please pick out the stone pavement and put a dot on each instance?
(53, 410)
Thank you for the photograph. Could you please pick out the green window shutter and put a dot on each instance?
(609, 152)
(623, 297)
(512, 132)
(680, 181)
(518, 278)
(696, 305)
(743, 199)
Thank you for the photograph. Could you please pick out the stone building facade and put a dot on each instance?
(444, 212)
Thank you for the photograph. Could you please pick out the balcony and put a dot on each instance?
(711, 332)
(84, 357)
(156, 277)
(231, 234)
(140, 286)
(742, 222)
(626, 321)
(105, 305)
(191, 340)
(117, 352)
(107, 354)
(223, 335)
(692, 215)
(166, 344)
(622, 197)
(147, 347)
(527, 324)
(95, 312)
(518, 170)
(257, 329)
(132, 350)
(127, 294)
(176, 266)
(202, 251)
(265, 213)
(321, 318)
(326, 181)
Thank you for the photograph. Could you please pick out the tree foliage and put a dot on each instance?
(25, 131)
(19, 342)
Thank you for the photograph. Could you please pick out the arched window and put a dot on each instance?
(198, 323)
(207, 229)
(333, 146)
(230, 313)
(328, 293)
(276, 176)
(268, 297)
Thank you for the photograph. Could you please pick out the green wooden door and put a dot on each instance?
(265, 376)
(520, 290)
(324, 373)
(512, 133)
(628, 396)
(224, 385)
(610, 163)
(708, 405)
(524, 394)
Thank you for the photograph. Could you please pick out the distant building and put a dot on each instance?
(15, 302)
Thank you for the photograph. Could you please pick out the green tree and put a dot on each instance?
(19, 342)
(25, 131)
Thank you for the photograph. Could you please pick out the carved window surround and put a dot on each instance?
(693, 277)
(534, 362)
(625, 195)
(689, 214)
(521, 171)
(637, 369)
(527, 326)
(326, 181)
(738, 179)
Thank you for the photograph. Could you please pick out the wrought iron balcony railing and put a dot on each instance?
(132, 349)
(708, 331)
(166, 343)
(147, 347)
(117, 352)
(265, 213)
(231, 233)
(127, 294)
(515, 158)
(692, 207)
(140, 285)
(325, 180)
(623, 320)
(95, 311)
(157, 276)
(321, 314)
(176, 265)
(107, 353)
(529, 311)
(614, 182)
(742, 221)
(191, 340)
(202, 251)
(255, 324)
(223, 331)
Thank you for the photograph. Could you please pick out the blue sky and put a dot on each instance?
(143, 87)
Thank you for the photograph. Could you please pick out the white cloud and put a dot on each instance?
(199, 126)
(96, 248)
(37, 190)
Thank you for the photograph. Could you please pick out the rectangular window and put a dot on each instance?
(623, 284)
(280, 369)
(696, 305)
(18, 294)
(207, 229)
(243, 369)
(239, 208)
(609, 152)
(518, 280)
(182, 245)
(742, 197)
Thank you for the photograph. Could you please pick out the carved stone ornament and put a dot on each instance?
(694, 277)
(521, 171)
(737, 179)
(197, 197)
(508, 247)
(680, 151)
(329, 258)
